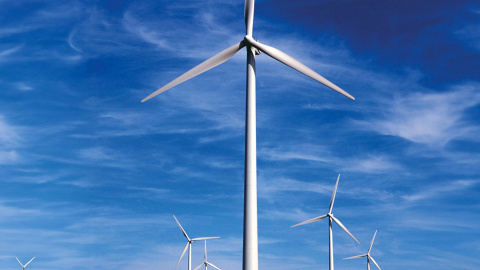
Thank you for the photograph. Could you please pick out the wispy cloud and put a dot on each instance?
(5, 53)
(8, 133)
(441, 190)
(7, 157)
(428, 118)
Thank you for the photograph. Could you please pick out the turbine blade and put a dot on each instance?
(19, 261)
(375, 262)
(371, 243)
(206, 65)
(332, 200)
(199, 266)
(29, 262)
(248, 13)
(181, 228)
(310, 221)
(354, 257)
(183, 253)
(213, 266)
(295, 64)
(344, 228)
(204, 238)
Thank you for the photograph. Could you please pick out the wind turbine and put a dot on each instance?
(206, 263)
(23, 266)
(369, 257)
(250, 228)
(330, 218)
(189, 245)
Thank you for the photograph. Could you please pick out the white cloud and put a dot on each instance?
(8, 52)
(7, 157)
(8, 133)
(441, 190)
(21, 86)
(428, 118)
(372, 164)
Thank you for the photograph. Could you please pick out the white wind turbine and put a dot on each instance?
(206, 262)
(23, 266)
(250, 233)
(369, 257)
(189, 245)
(330, 218)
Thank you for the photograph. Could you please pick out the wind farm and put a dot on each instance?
(91, 176)
(250, 227)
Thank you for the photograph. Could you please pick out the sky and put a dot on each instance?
(90, 177)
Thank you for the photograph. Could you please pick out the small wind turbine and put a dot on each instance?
(250, 227)
(206, 263)
(369, 257)
(330, 218)
(189, 245)
(23, 266)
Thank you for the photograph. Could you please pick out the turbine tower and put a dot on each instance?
(189, 245)
(250, 233)
(330, 219)
(206, 262)
(23, 266)
(369, 257)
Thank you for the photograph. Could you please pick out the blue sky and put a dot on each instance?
(90, 177)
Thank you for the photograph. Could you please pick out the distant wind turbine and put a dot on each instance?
(189, 245)
(369, 257)
(250, 227)
(206, 262)
(23, 266)
(330, 218)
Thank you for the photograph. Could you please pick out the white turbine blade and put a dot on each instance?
(344, 228)
(29, 262)
(371, 243)
(354, 257)
(332, 200)
(248, 13)
(310, 221)
(204, 238)
(213, 266)
(183, 253)
(295, 64)
(181, 228)
(206, 65)
(199, 266)
(19, 261)
(374, 262)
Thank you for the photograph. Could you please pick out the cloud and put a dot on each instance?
(8, 133)
(5, 53)
(289, 185)
(440, 190)
(298, 151)
(372, 164)
(428, 118)
(7, 157)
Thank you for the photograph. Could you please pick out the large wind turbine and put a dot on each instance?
(189, 245)
(330, 218)
(250, 234)
(23, 266)
(206, 262)
(369, 257)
